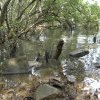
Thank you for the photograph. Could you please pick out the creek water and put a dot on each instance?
(72, 41)
(92, 80)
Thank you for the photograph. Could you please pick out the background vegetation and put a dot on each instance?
(27, 19)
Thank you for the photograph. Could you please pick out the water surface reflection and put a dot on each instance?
(92, 79)
(72, 42)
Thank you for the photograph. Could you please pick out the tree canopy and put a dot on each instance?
(20, 19)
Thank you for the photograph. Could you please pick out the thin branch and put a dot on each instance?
(22, 12)
(32, 26)
(39, 20)
(7, 23)
(3, 12)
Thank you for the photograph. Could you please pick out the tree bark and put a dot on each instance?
(47, 56)
(3, 12)
(58, 49)
(13, 50)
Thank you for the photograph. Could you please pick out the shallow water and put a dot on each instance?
(73, 41)
(92, 80)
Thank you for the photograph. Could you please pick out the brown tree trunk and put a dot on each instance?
(13, 50)
(47, 56)
(3, 12)
(58, 49)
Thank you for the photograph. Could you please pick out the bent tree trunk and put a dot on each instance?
(57, 53)
(58, 49)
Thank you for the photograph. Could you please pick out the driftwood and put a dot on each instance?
(58, 49)
(78, 53)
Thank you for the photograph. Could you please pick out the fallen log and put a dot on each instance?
(78, 53)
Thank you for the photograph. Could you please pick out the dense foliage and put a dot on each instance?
(21, 19)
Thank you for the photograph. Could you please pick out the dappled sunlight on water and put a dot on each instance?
(91, 82)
